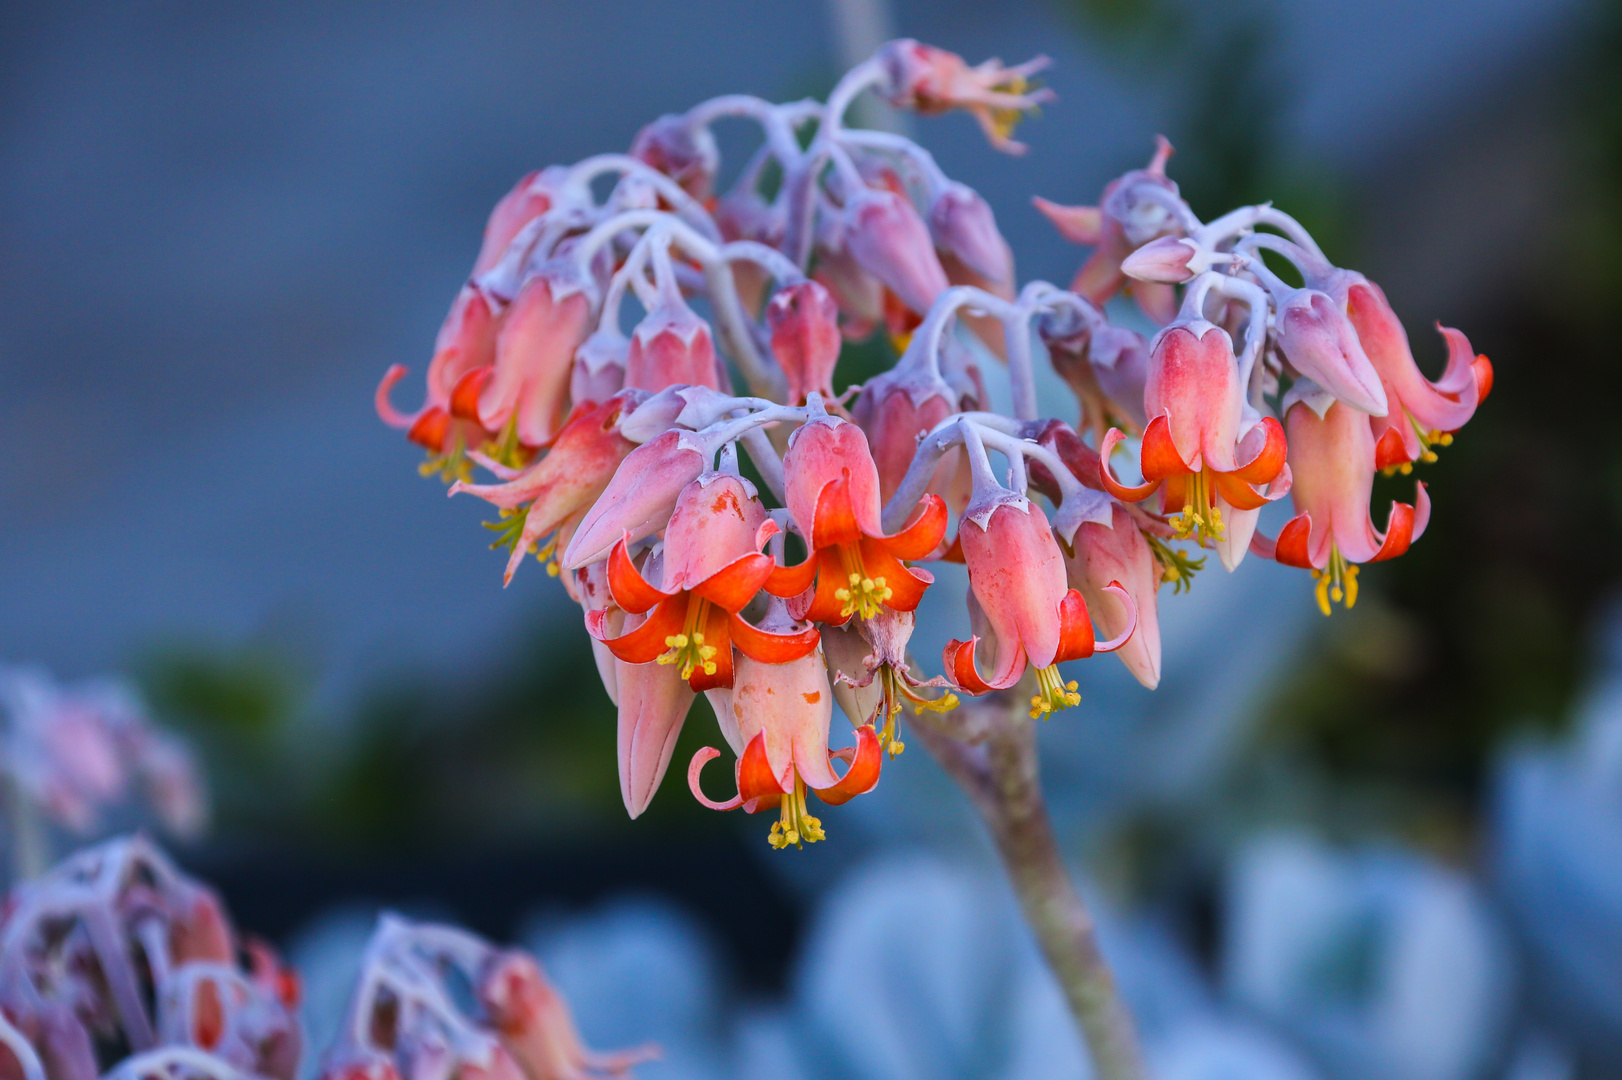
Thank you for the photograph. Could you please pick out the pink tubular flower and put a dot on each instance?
(782, 712)
(671, 346)
(930, 80)
(1133, 211)
(804, 322)
(713, 566)
(1423, 414)
(1317, 339)
(887, 238)
(524, 396)
(554, 493)
(529, 199)
(1118, 555)
(1194, 448)
(1017, 574)
(1333, 459)
(833, 496)
(639, 499)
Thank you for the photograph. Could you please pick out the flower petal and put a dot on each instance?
(863, 774)
(769, 648)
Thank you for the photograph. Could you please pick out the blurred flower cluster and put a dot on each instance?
(778, 589)
(71, 753)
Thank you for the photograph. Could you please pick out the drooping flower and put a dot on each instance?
(1137, 207)
(524, 395)
(671, 346)
(782, 714)
(833, 496)
(682, 151)
(1422, 414)
(1333, 459)
(1017, 575)
(887, 238)
(1119, 555)
(713, 566)
(804, 323)
(930, 80)
(529, 199)
(1200, 448)
(554, 493)
(867, 660)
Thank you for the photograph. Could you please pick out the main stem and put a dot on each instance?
(1002, 776)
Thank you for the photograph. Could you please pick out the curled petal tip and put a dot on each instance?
(385, 408)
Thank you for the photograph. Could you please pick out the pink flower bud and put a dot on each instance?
(804, 324)
(466, 342)
(859, 294)
(889, 240)
(640, 497)
(1319, 341)
(962, 223)
(529, 386)
(1164, 260)
(684, 152)
(671, 346)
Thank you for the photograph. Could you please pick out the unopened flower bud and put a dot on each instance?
(804, 323)
(1164, 260)
(889, 240)
(962, 223)
(671, 346)
(684, 152)
(1318, 340)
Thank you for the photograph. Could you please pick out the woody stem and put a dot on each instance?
(1002, 777)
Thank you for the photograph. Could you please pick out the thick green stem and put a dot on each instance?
(1002, 776)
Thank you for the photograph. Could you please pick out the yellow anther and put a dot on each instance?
(1337, 583)
(1444, 438)
(687, 648)
(1054, 693)
(795, 824)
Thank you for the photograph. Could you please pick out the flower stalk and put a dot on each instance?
(989, 748)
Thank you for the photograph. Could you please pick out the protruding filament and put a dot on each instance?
(796, 826)
(687, 648)
(1200, 515)
(897, 691)
(507, 450)
(451, 466)
(1427, 439)
(864, 596)
(1338, 583)
(1053, 693)
(1177, 568)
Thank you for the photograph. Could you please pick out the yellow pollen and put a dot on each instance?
(796, 825)
(450, 466)
(1053, 693)
(1337, 584)
(1200, 514)
(687, 648)
(864, 595)
(507, 450)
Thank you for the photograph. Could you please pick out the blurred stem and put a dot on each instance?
(989, 748)
(28, 850)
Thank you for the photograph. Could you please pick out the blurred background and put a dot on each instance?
(1385, 844)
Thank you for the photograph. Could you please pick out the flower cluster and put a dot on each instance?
(411, 1016)
(117, 948)
(73, 751)
(616, 458)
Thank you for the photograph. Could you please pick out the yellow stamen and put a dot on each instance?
(1053, 692)
(1176, 566)
(507, 450)
(1200, 514)
(687, 648)
(451, 466)
(795, 825)
(1337, 584)
(865, 596)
